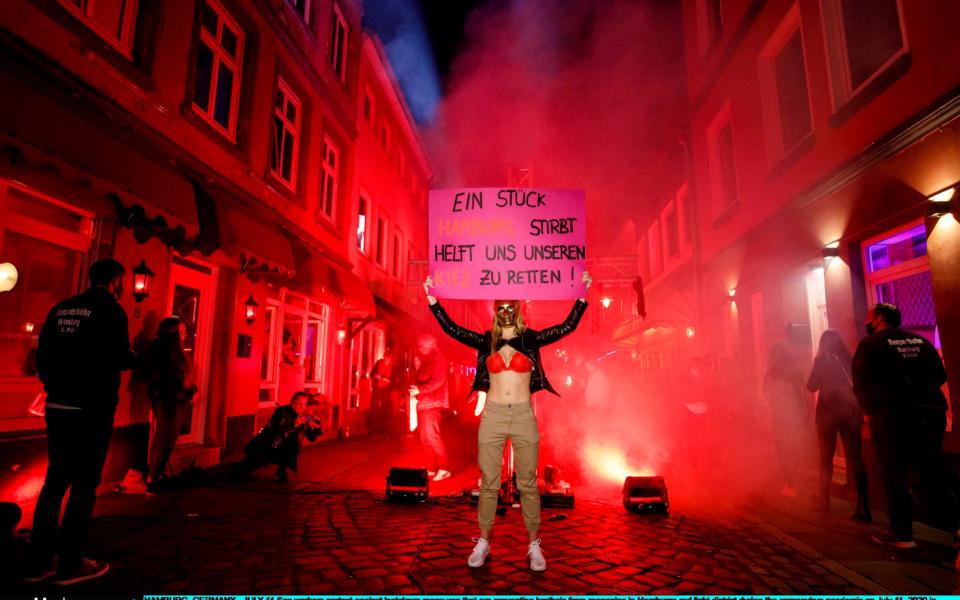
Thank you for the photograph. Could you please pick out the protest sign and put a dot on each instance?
(503, 243)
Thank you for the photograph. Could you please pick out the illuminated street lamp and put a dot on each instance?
(8, 276)
(942, 204)
(605, 301)
(250, 310)
(142, 284)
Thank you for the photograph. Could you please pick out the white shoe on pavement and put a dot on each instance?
(535, 554)
(479, 554)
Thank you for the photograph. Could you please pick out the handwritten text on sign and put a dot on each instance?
(492, 243)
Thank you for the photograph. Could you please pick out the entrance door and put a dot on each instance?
(192, 289)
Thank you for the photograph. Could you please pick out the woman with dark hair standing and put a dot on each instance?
(838, 413)
(509, 370)
(171, 388)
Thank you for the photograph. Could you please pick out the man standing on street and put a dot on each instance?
(83, 347)
(897, 376)
(431, 394)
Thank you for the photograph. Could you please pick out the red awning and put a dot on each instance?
(323, 276)
(261, 247)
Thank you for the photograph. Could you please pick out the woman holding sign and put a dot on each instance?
(509, 370)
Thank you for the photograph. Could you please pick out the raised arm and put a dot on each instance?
(552, 334)
(461, 334)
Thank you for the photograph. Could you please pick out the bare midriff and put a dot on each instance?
(509, 387)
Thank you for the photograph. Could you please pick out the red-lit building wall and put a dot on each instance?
(108, 129)
(860, 171)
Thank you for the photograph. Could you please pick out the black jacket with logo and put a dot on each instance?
(84, 345)
(897, 373)
(529, 343)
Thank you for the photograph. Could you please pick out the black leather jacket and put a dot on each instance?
(529, 343)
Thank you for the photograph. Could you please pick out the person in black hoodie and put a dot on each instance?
(897, 376)
(84, 345)
(838, 414)
(278, 442)
(170, 387)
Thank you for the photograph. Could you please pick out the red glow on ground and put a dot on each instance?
(612, 464)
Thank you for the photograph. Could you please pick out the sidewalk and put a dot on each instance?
(330, 531)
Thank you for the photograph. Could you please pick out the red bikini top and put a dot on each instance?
(519, 363)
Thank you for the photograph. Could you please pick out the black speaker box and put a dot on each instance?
(407, 484)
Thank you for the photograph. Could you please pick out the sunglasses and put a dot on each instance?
(506, 308)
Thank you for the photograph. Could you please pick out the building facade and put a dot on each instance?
(222, 144)
(822, 135)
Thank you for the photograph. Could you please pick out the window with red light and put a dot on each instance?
(337, 51)
(302, 8)
(285, 141)
(115, 21)
(218, 69)
(397, 254)
(381, 253)
(46, 242)
(328, 184)
(363, 218)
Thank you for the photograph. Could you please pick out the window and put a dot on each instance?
(328, 184)
(786, 102)
(296, 335)
(286, 135)
(723, 167)
(46, 241)
(655, 252)
(365, 349)
(115, 21)
(369, 106)
(671, 226)
(362, 216)
(216, 87)
(385, 137)
(303, 9)
(397, 254)
(337, 53)
(864, 37)
(381, 254)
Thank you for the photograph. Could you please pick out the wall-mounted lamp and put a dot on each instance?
(831, 251)
(341, 335)
(942, 204)
(731, 294)
(142, 284)
(250, 309)
(690, 332)
(8, 276)
(605, 301)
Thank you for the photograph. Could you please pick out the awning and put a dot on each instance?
(322, 276)
(164, 205)
(261, 247)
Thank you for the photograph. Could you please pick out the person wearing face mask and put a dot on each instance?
(83, 347)
(509, 370)
(897, 378)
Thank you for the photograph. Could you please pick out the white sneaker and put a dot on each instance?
(535, 554)
(479, 554)
(442, 474)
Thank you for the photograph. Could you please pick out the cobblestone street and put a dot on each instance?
(336, 534)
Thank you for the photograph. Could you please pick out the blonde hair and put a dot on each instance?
(496, 331)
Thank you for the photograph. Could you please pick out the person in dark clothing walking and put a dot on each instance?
(430, 390)
(838, 414)
(897, 376)
(83, 347)
(278, 442)
(171, 388)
